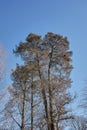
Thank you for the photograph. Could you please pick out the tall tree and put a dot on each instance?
(16, 107)
(20, 107)
(32, 51)
(52, 59)
(59, 69)
(48, 62)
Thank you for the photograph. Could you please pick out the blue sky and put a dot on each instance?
(18, 18)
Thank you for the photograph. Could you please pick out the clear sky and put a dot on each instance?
(18, 18)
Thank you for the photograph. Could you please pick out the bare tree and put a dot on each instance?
(79, 123)
(83, 103)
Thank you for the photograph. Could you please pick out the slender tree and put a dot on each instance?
(83, 104)
(32, 51)
(16, 107)
(59, 69)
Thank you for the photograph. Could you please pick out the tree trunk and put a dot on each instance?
(32, 114)
(46, 108)
(23, 112)
(50, 95)
(44, 99)
(51, 108)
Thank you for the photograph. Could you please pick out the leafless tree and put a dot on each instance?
(79, 123)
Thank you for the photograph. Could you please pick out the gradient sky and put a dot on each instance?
(18, 18)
